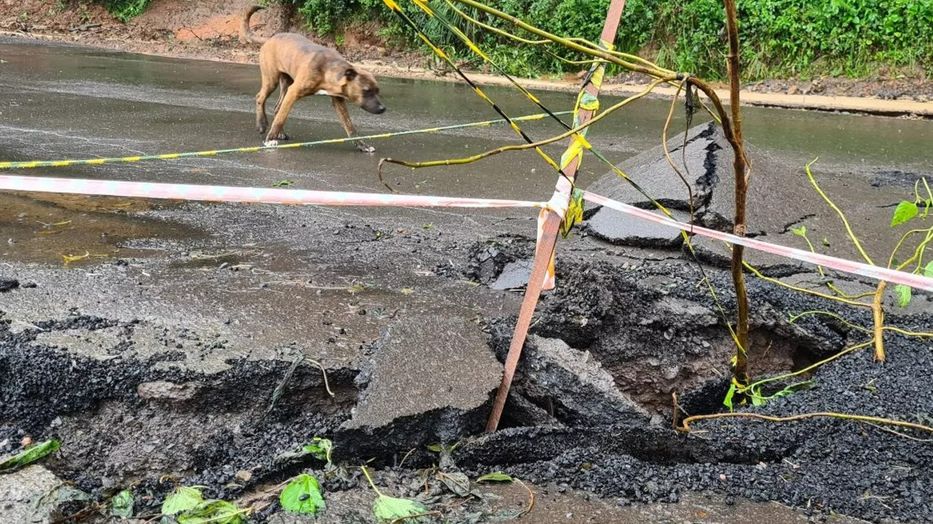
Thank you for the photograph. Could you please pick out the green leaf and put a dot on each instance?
(182, 499)
(121, 505)
(283, 183)
(825, 241)
(212, 512)
(391, 508)
(302, 495)
(320, 448)
(791, 389)
(903, 295)
(799, 231)
(928, 270)
(435, 448)
(30, 455)
(904, 212)
(497, 476)
(729, 394)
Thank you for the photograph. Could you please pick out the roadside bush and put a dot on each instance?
(779, 37)
(124, 10)
(796, 37)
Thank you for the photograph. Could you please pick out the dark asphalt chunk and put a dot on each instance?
(823, 464)
(6, 284)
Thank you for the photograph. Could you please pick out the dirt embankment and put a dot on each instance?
(208, 30)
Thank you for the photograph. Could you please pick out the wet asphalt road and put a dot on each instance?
(74, 102)
(221, 283)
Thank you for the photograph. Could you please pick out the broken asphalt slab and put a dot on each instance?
(781, 199)
(429, 375)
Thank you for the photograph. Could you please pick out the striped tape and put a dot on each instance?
(253, 195)
(340, 198)
(31, 164)
(839, 264)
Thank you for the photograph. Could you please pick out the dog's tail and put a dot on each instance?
(246, 35)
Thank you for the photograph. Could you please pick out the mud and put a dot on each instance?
(190, 355)
(78, 230)
(739, 459)
(580, 423)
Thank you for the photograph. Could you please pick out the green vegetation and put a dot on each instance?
(121, 505)
(392, 509)
(29, 455)
(188, 506)
(780, 37)
(124, 10)
(320, 448)
(496, 476)
(302, 495)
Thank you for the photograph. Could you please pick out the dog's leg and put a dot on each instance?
(341, 108)
(285, 82)
(268, 86)
(276, 132)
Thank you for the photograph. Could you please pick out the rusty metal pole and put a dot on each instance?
(547, 241)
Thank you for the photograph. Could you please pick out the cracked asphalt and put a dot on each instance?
(133, 318)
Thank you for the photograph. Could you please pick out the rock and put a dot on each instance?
(514, 275)
(162, 390)
(576, 383)
(433, 370)
(35, 494)
(7, 284)
(617, 228)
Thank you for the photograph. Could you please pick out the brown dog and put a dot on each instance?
(300, 68)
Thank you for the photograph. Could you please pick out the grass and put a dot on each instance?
(780, 38)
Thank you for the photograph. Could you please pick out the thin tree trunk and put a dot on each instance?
(740, 369)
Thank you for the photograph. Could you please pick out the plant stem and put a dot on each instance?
(370, 479)
(834, 316)
(740, 165)
(877, 315)
(827, 414)
(532, 145)
(877, 311)
(776, 282)
(845, 221)
(811, 367)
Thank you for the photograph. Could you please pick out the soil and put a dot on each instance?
(588, 424)
(566, 433)
(209, 30)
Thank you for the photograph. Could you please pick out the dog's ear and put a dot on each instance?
(349, 74)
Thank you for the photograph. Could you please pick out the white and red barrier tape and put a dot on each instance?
(340, 198)
(253, 195)
(839, 264)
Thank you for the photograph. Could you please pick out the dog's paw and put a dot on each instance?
(270, 143)
(366, 148)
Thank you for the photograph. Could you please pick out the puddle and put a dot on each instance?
(71, 230)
